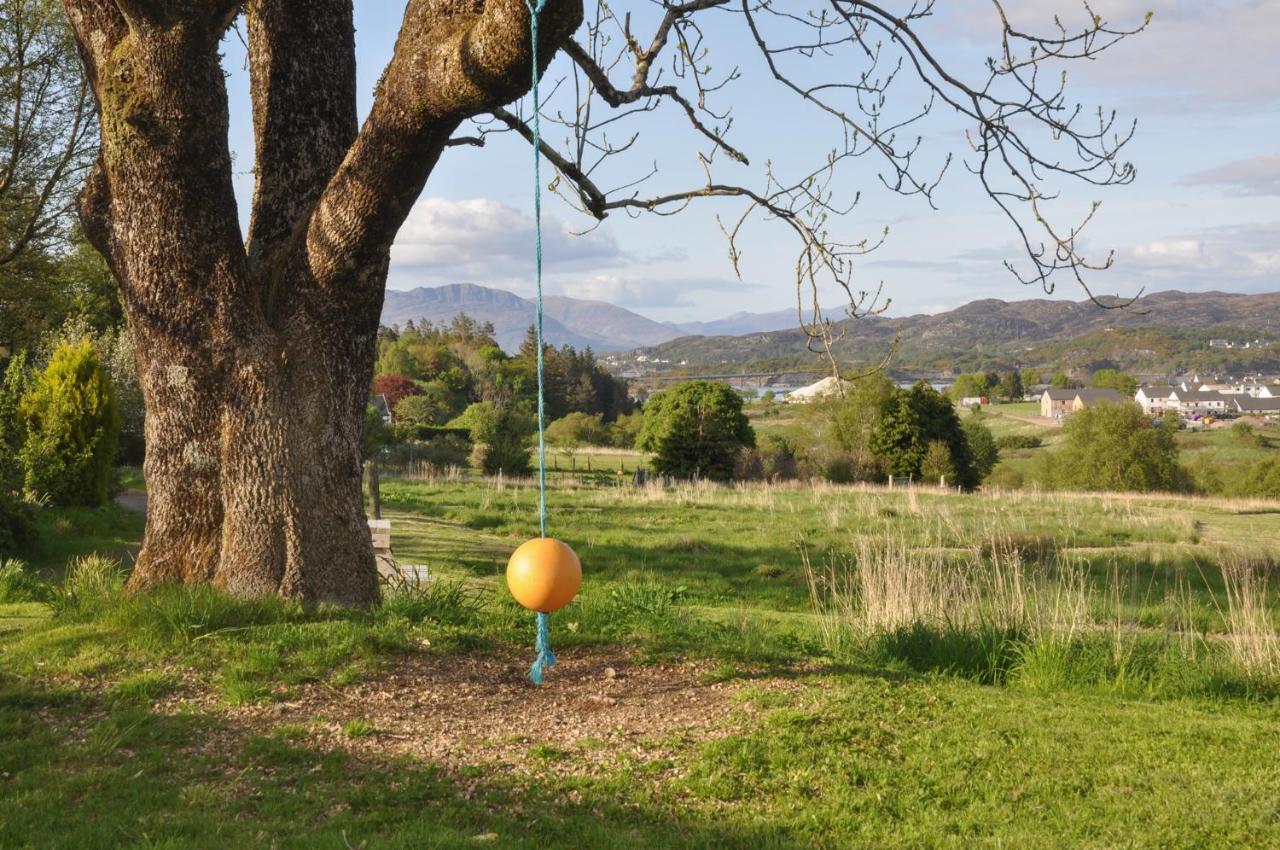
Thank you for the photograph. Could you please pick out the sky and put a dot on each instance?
(1203, 84)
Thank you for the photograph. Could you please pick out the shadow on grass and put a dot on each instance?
(140, 778)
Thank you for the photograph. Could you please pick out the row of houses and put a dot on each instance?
(1158, 401)
(1200, 402)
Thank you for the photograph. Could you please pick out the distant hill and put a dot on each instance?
(1163, 331)
(743, 323)
(510, 314)
(578, 322)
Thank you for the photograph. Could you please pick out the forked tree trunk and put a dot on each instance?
(255, 356)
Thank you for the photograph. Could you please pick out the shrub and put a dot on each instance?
(377, 433)
(839, 470)
(982, 446)
(73, 425)
(17, 584)
(695, 428)
(1115, 447)
(1262, 481)
(771, 460)
(1019, 441)
(13, 386)
(1246, 435)
(910, 422)
(92, 584)
(501, 437)
(937, 465)
(1121, 382)
(395, 388)
(625, 430)
(17, 523)
(579, 429)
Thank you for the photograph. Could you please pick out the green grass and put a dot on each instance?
(122, 718)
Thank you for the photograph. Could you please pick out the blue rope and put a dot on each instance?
(546, 658)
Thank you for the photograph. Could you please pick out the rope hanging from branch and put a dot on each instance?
(545, 657)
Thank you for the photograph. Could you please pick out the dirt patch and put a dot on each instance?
(596, 710)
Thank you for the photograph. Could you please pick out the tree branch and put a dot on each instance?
(302, 68)
(451, 62)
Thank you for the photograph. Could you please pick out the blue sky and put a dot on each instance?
(1204, 213)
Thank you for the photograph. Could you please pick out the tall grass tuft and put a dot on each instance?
(92, 585)
(18, 583)
(992, 616)
(1251, 638)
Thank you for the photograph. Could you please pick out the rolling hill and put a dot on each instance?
(578, 322)
(1162, 332)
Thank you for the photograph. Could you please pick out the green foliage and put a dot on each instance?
(17, 582)
(1246, 435)
(1063, 381)
(972, 384)
(460, 364)
(1260, 481)
(579, 429)
(1011, 386)
(377, 433)
(1114, 379)
(501, 436)
(433, 405)
(696, 428)
(1030, 379)
(13, 427)
(17, 523)
(1019, 441)
(853, 420)
(1115, 447)
(73, 424)
(625, 430)
(17, 517)
(937, 465)
(910, 421)
(982, 446)
(772, 459)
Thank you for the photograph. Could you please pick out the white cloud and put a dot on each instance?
(1237, 258)
(1257, 176)
(487, 241)
(1170, 250)
(1194, 56)
(626, 291)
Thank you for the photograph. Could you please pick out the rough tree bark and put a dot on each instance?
(255, 355)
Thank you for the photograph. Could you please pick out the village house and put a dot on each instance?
(1153, 400)
(1203, 402)
(1059, 404)
(1247, 405)
(1092, 397)
(1056, 403)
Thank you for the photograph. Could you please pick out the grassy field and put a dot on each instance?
(785, 666)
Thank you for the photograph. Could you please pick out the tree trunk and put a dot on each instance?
(255, 358)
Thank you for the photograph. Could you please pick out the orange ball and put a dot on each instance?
(544, 574)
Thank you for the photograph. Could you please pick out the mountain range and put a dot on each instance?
(1160, 331)
(575, 321)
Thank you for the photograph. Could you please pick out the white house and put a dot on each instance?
(1153, 400)
(1206, 402)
